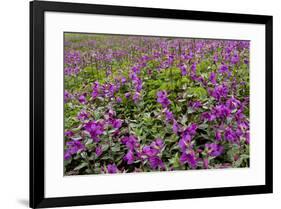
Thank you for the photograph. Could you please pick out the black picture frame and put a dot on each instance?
(37, 196)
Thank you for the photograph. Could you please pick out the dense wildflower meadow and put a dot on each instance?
(142, 104)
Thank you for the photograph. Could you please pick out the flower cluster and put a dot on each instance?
(163, 99)
(152, 153)
(132, 145)
(141, 104)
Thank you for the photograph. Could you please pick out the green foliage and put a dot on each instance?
(109, 59)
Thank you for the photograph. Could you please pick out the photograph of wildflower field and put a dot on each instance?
(145, 104)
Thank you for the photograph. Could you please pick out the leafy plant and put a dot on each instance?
(141, 104)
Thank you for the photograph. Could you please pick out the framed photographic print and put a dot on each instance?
(135, 104)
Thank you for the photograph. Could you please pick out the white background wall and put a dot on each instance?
(14, 105)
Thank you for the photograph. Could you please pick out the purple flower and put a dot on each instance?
(72, 60)
(129, 157)
(111, 113)
(95, 89)
(230, 135)
(213, 149)
(208, 116)
(95, 129)
(72, 57)
(213, 78)
(170, 59)
(133, 76)
(73, 147)
(138, 85)
(136, 97)
(183, 70)
(135, 69)
(235, 59)
(220, 91)
(116, 123)
(155, 162)
(195, 105)
(193, 68)
(149, 151)
(67, 96)
(218, 135)
(69, 133)
(223, 68)
(186, 137)
(67, 155)
(123, 80)
(145, 58)
(82, 99)
(112, 168)
(215, 58)
(98, 151)
(239, 115)
(169, 115)
(111, 90)
(189, 158)
(239, 131)
(68, 71)
(221, 111)
(233, 103)
(185, 142)
(118, 99)
(157, 144)
(191, 129)
(108, 89)
(127, 95)
(83, 115)
(162, 98)
(136, 81)
(175, 126)
(130, 141)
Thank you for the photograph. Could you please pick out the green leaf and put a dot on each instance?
(82, 165)
(104, 147)
(181, 100)
(203, 126)
(184, 119)
(115, 148)
(198, 92)
(175, 161)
